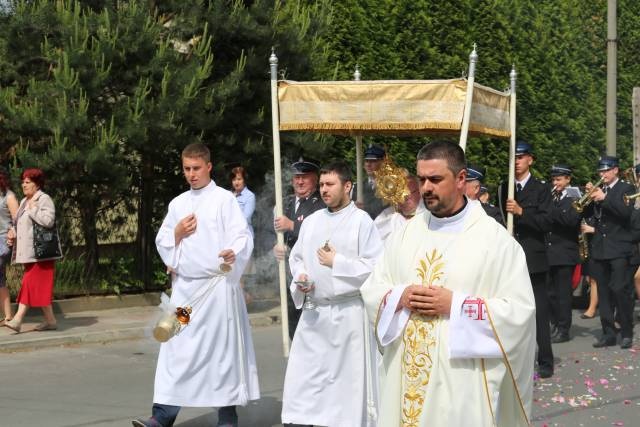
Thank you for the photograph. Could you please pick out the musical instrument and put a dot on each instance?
(586, 199)
(583, 244)
(630, 197)
(631, 178)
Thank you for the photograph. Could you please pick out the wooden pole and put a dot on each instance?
(277, 175)
(359, 160)
(512, 146)
(466, 114)
(612, 74)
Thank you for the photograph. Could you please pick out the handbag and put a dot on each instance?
(46, 243)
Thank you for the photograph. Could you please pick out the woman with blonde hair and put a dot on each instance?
(37, 282)
(8, 211)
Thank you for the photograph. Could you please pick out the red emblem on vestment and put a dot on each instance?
(474, 309)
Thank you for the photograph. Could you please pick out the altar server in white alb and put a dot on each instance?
(329, 378)
(211, 362)
(394, 217)
(454, 310)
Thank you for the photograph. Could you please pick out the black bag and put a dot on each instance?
(45, 242)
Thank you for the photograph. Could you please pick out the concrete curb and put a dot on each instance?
(24, 342)
(71, 339)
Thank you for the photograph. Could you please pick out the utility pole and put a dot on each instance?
(635, 109)
(612, 72)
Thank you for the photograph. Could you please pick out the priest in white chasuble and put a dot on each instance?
(454, 310)
(211, 362)
(330, 378)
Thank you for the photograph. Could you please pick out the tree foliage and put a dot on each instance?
(104, 94)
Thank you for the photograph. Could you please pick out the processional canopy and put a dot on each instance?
(391, 107)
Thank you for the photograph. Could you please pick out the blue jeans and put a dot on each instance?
(166, 415)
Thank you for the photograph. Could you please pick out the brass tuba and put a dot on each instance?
(630, 197)
(586, 199)
(631, 178)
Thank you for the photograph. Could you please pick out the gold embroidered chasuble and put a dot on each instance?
(420, 385)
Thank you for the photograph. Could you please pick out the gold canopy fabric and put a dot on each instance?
(394, 107)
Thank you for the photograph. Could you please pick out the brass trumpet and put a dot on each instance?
(628, 198)
(586, 199)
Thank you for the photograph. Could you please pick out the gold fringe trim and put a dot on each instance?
(506, 361)
(391, 128)
(486, 390)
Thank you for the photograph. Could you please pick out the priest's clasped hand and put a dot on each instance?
(326, 256)
(427, 300)
(185, 228)
(228, 256)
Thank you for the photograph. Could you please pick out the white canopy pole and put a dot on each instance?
(466, 115)
(277, 174)
(359, 160)
(512, 146)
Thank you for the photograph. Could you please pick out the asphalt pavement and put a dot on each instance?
(591, 387)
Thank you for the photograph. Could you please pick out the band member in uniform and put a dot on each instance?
(532, 219)
(611, 251)
(635, 225)
(298, 206)
(475, 176)
(373, 157)
(562, 252)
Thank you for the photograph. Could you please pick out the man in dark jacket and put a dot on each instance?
(305, 201)
(475, 176)
(611, 249)
(531, 211)
(373, 157)
(562, 251)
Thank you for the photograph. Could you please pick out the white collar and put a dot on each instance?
(525, 180)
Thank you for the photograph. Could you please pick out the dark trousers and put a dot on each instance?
(293, 313)
(166, 414)
(615, 291)
(560, 294)
(543, 333)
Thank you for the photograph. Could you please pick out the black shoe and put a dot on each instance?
(584, 316)
(560, 337)
(151, 422)
(545, 372)
(626, 343)
(603, 342)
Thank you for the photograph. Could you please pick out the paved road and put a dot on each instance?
(107, 385)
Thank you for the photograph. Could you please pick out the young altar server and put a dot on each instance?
(330, 375)
(211, 362)
(454, 308)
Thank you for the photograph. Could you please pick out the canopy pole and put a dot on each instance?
(466, 115)
(359, 160)
(512, 145)
(277, 174)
